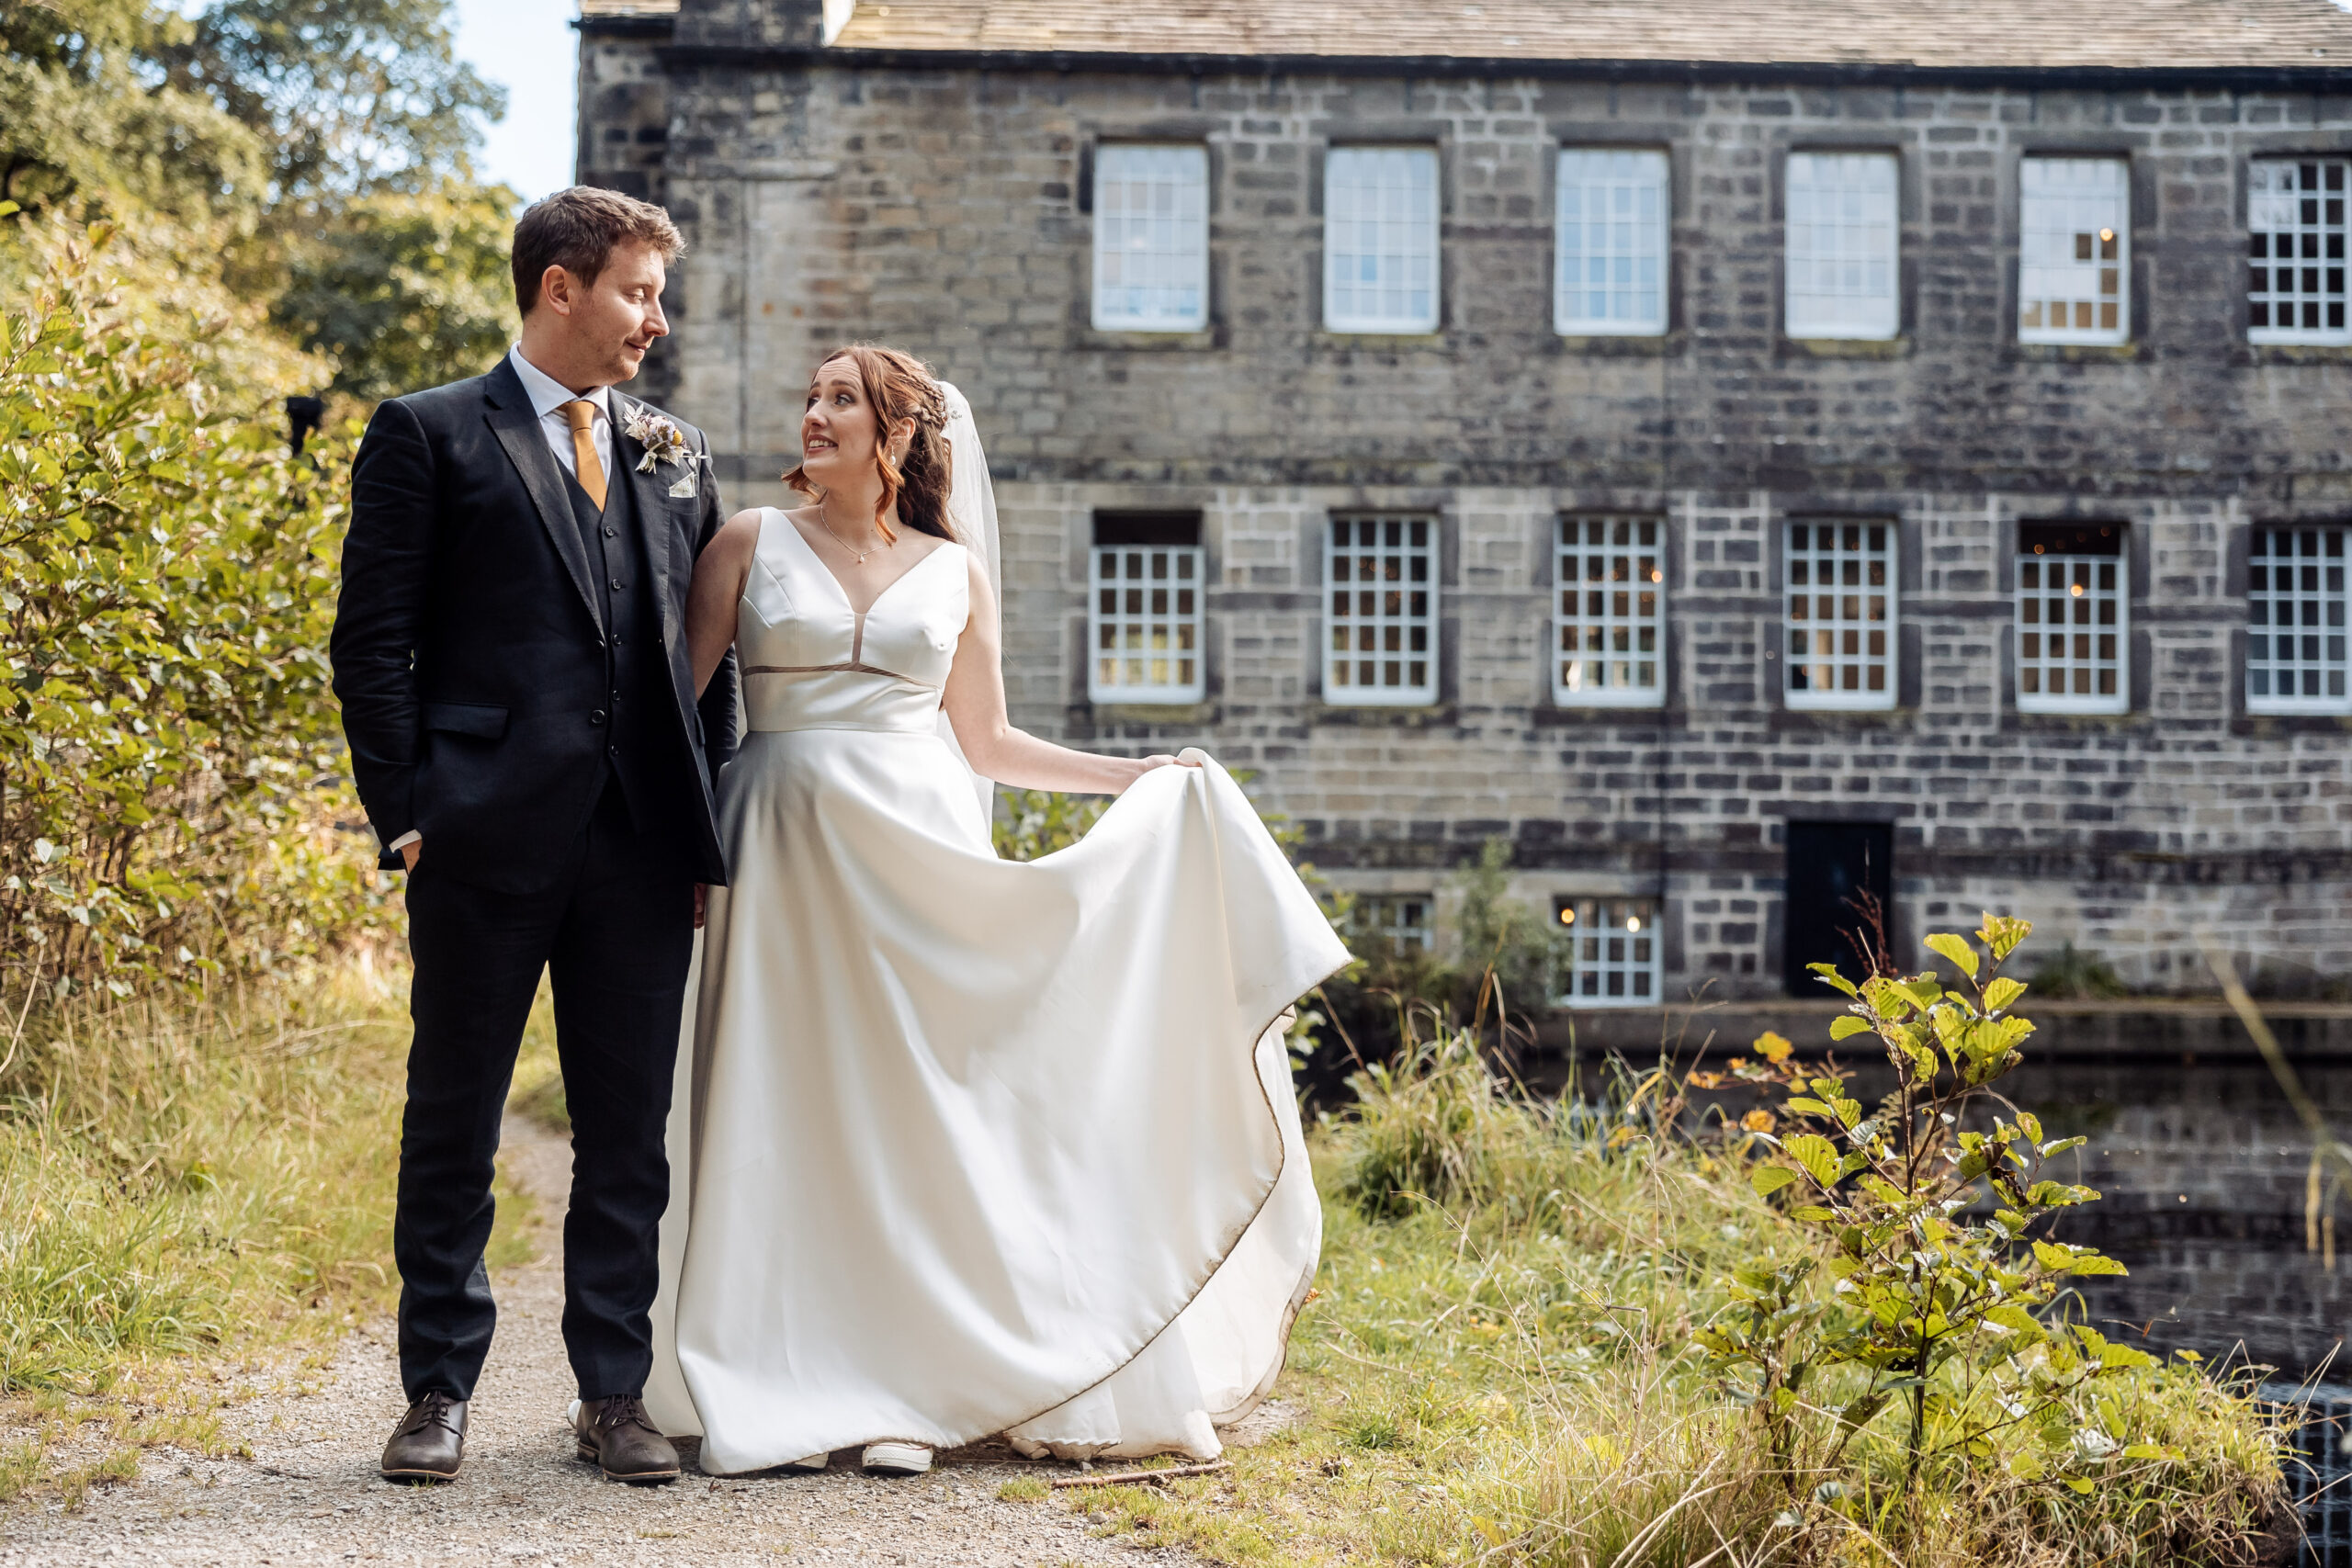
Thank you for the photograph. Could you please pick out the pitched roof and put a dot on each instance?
(1956, 33)
(2303, 36)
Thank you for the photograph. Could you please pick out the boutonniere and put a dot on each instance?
(664, 443)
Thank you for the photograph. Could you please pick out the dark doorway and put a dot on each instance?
(1829, 863)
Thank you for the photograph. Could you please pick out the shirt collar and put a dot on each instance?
(547, 394)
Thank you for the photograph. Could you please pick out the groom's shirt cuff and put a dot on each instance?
(397, 845)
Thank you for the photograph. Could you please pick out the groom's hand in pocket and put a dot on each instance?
(702, 904)
(409, 851)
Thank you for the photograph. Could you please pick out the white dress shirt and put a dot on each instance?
(548, 398)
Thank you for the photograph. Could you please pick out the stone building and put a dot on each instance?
(1737, 454)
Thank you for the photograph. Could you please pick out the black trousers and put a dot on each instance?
(615, 934)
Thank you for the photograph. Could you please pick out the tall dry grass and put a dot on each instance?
(1498, 1369)
(185, 1179)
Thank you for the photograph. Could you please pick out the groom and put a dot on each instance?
(511, 657)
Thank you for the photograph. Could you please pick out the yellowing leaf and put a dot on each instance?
(1772, 1049)
(1770, 1178)
(1848, 1026)
(1957, 949)
(2001, 992)
(1816, 1154)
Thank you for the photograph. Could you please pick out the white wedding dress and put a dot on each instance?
(966, 1146)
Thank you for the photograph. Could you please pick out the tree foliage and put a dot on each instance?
(169, 760)
(1942, 1271)
(312, 153)
(405, 289)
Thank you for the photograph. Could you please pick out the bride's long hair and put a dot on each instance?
(897, 387)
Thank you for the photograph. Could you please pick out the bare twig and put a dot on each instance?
(1132, 1477)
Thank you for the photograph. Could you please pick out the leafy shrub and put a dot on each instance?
(171, 761)
(2072, 973)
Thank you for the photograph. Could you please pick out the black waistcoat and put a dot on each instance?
(633, 662)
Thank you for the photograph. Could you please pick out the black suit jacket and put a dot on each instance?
(466, 650)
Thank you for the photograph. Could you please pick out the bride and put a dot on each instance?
(963, 1146)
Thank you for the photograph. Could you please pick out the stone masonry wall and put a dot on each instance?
(945, 210)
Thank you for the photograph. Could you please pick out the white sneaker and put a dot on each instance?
(814, 1461)
(896, 1459)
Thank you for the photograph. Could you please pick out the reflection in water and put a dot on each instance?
(2203, 1170)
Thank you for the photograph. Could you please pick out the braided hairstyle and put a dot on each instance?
(898, 387)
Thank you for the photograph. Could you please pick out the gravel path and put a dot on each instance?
(311, 1494)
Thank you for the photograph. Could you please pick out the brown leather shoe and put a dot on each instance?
(430, 1442)
(620, 1439)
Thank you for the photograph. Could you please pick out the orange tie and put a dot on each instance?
(580, 414)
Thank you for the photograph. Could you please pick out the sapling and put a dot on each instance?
(1941, 1271)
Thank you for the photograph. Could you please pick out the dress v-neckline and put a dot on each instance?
(827, 572)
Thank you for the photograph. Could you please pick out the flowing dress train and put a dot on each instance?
(966, 1146)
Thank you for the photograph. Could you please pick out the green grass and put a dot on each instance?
(190, 1186)
(1504, 1377)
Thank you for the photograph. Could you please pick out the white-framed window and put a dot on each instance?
(1380, 646)
(1610, 242)
(1841, 582)
(1151, 238)
(1609, 613)
(2295, 621)
(1397, 922)
(2074, 250)
(2073, 616)
(1145, 583)
(2073, 619)
(2296, 223)
(1612, 951)
(1843, 241)
(1380, 240)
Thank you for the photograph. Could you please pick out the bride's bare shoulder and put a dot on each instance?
(736, 539)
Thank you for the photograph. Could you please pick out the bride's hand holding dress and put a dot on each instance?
(969, 1145)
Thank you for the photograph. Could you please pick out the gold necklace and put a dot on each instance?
(844, 544)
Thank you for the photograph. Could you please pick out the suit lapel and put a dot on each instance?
(517, 429)
(653, 516)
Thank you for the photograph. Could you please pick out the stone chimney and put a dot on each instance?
(776, 23)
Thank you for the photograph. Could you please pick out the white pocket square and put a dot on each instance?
(684, 487)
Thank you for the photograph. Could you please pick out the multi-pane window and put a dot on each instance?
(1396, 923)
(1612, 951)
(1842, 238)
(1609, 613)
(2295, 615)
(1152, 239)
(1145, 578)
(1380, 240)
(1611, 243)
(2074, 251)
(2295, 286)
(1841, 582)
(1381, 575)
(2073, 602)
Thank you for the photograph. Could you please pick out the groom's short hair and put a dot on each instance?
(577, 230)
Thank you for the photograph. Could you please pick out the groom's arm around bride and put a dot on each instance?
(511, 658)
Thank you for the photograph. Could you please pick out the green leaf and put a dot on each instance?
(1804, 1106)
(2001, 992)
(2052, 1256)
(1829, 975)
(2150, 1450)
(1847, 1026)
(2052, 1149)
(1816, 1154)
(1770, 1178)
(1813, 1213)
(2097, 1263)
(1957, 949)
(2077, 1483)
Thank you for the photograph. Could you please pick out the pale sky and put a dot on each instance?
(529, 48)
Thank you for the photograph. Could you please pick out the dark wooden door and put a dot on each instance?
(1829, 864)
